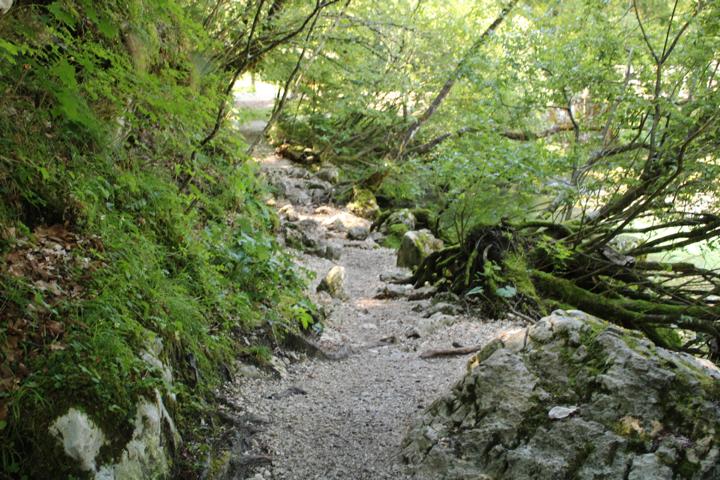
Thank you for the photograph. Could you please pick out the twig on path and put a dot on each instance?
(450, 351)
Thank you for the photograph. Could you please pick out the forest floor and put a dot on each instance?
(317, 418)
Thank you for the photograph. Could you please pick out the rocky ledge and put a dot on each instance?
(573, 397)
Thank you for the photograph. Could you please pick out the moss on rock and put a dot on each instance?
(631, 407)
(364, 203)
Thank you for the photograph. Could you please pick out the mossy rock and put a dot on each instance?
(363, 204)
(415, 247)
(394, 236)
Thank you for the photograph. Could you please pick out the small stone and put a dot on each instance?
(394, 291)
(403, 277)
(444, 308)
(358, 233)
(332, 252)
(278, 366)
(324, 210)
(250, 371)
(288, 211)
(334, 283)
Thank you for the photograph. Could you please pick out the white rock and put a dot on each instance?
(278, 366)
(80, 436)
(144, 456)
(558, 413)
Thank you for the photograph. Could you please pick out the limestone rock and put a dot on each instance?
(145, 455)
(334, 283)
(337, 225)
(415, 246)
(324, 210)
(429, 325)
(298, 196)
(304, 235)
(573, 397)
(560, 412)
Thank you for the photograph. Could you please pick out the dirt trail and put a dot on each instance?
(345, 419)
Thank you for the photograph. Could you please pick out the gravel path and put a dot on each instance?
(345, 419)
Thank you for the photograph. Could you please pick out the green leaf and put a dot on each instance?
(66, 73)
(475, 291)
(45, 174)
(508, 291)
(61, 14)
(10, 48)
(107, 28)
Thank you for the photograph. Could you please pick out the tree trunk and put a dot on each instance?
(456, 74)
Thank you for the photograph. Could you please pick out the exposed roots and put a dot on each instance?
(532, 268)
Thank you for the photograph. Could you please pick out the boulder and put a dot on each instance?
(363, 204)
(573, 397)
(334, 283)
(415, 246)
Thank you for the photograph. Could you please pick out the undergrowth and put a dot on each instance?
(112, 236)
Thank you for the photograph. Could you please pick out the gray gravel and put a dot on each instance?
(345, 419)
